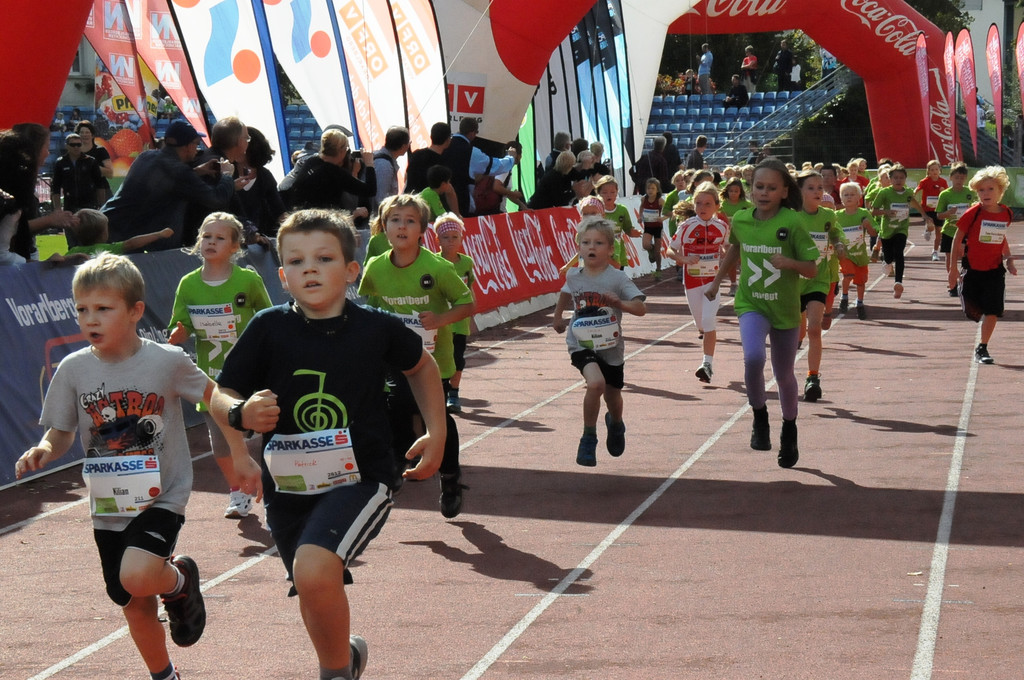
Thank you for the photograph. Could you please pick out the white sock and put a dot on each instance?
(708, 359)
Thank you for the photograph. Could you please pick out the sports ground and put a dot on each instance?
(892, 550)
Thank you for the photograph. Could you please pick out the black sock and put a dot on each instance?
(165, 674)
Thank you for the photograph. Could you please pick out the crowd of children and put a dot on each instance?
(368, 392)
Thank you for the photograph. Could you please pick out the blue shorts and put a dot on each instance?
(343, 520)
(154, 530)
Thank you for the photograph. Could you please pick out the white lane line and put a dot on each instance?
(924, 657)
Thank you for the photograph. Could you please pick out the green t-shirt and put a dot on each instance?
(433, 199)
(890, 199)
(464, 268)
(951, 198)
(773, 293)
(822, 228)
(217, 315)
(855, 234)
(623, 227)
(429, 284)
(671, 198)
(377, 245)
(97, 248)
(731, 209)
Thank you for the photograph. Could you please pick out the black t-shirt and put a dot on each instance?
(327, 374)
(322, 185)
(420, 161)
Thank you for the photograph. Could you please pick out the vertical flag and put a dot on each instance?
(230, 62)
(994, 61)
(922, 77)
(950, 71)
(1019, 49)
(306, 44)
(963, 55)
(420, 50)
(159, 47)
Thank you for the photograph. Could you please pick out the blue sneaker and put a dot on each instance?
(586, 454)
(616, 436)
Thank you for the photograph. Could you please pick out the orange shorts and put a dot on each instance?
(858, 272)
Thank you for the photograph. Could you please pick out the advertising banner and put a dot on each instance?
(922, 75)
(963, 57)
(994, 61)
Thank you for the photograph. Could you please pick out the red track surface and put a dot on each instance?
(691, 556)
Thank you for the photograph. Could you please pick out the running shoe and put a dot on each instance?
(862, 312)
(616, 442)
(186, 612)
(935, 256)
(953, 293)
(359, 652)
(982, 355)
(451, 494)
(586, 453)
(897, 290)
(453, 404)
(888, 269)
(844, 304)
(239, 505)
(812, 388)
(704, 373)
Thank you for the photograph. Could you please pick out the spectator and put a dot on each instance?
(555, 186)
(749, 69)
(695, 159)
(439, 180)
(738, 95)
(672, 159)
(58, 124)
(704, 69)
(784, 66)
(423, 159)
(562, 142)
(794, 78)
(229, 139)
(327, 177)
(597, 148)
(87, 132)
(467, 162)
(262, 208)
(501, 182)
(161, 183)
(77, 182)
(651, 164)
(579, 144)
(385, 161)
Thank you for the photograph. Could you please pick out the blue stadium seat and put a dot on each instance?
(705, 112)
(309, 122)
(782, 94)
(291, 108)
(743, 111)
(673, 127)
(746, 125)
(698, 126)
(757, 111)
(661, 127)
(693, 113)
(684, 142)
(757, 97)
(657, 99)
(769, 96)
(768, 109)
(718, 111)
(294, 134)
(706, 99)
(655, 112)
(685, 127)
(681, 99)
(669, 99)
(650, 128)
(719, 97)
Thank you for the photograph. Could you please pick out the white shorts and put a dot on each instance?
(704, 311)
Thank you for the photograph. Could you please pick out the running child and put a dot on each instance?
(856, 224)
(122, 394)
(653, 219)
(818, 293)
(952, 204)
(215, 303)
(982, 283)
(880, 181)
(428, 294)
(450, 229)
(598, 293)
(893, 204)
(697, 248)
(618, 214)
(309, 372)
(734, 198)
(774, 250)
(928, 190)
(588, 205)
(92, 234)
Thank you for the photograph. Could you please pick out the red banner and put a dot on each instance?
(1020, 62)
(922, 78)
(994, 60)
(950, 69)
(963, 56)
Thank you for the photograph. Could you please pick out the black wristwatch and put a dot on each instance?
(235, 416)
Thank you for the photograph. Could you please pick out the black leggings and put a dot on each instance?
(892, 253)
(401, 409)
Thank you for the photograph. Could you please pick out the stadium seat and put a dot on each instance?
(657, 99)
(706, 99)
(693, 113)
(757, 97)
(685, 127)
(743, 111)
(757, 111)
(698, 126)
(705, 112)
(655, 112)
(769, 96)
(661, 127)
(673, 127)
(768, 109)
(718, 111)
(782, 94)
(291, 108)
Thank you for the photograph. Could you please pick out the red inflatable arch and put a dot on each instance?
(874, 38)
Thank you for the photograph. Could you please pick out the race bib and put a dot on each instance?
(707, 266)
(992, 231)
(312, 462)
(429, 337)
(216, 321)
(902, 211)
(961, 208)
(650, 215)
(600, 331)
(821, 240)
(121, 486)
(854, 235)
(931, 201)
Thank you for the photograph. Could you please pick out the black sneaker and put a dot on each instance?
(186, 612)
(953, 292)
(862, 312)
(982, 356)
(812, 388)
(616, 441)
(844, 304)
(789, 454)
(451, 494)
(357, 663)
(760, 434)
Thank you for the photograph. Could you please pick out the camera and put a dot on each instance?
(8, 204)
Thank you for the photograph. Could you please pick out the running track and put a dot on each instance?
(892, 550)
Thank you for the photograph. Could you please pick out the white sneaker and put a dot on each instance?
(897, 290)
(888, 270)
(239, 505)
(935, 256)
(928, 233)
(704, 373)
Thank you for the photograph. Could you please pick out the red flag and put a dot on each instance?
(921, 56)
(947, 61)
(964, 58)
(994, 60)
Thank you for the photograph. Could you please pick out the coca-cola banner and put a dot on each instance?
(950, 69)
(963, 57)
(921, 57)
(875, 38)
(994, 61)
(1019, 49)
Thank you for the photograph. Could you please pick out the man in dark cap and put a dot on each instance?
(160, 184)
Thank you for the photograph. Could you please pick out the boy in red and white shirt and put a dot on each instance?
(697, 248)
(927, 193)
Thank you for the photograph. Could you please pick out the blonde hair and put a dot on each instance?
(683, 210)
(565, 161)
(707, 187)
(390, 203)
(605, 179)
(996, 173)
(599, 224)
(933, 164)
(91, 226)
(850, 188)
(114, 272)
(333, 142)
(237, 231)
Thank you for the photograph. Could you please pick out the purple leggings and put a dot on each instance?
(754, 330)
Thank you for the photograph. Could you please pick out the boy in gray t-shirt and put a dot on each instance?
(122, 395)
(598, 293)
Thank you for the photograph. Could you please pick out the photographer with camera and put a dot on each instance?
(333, 176)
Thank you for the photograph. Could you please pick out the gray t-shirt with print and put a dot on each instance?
(588, 291)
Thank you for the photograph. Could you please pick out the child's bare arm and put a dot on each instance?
(425, 383)
(636, 306)
(432, 320)
(1008, 258)
(250, 477)
(869, 227)
(557, 322)
(805, 268)
(729, 260)
(53, 445)
(142, 240)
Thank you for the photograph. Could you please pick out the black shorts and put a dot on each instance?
(155, 531)
(812, 297)
(613, 375)
(343, 520)
(946, 245)
(653, 229)
(981, 293)
(459, 345)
